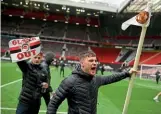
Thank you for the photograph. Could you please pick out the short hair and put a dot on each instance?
(40, 54)
(85, 54)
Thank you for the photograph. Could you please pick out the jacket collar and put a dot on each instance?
(81, 73)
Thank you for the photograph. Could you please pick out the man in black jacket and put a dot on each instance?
(62, 65)
(30, 95)
(157, 76)
(81, 88)
(102, 69)
(48, 59)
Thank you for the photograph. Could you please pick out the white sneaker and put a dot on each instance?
(155, 99)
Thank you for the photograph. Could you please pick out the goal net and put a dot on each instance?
(148, 71)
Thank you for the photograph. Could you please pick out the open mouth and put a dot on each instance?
(93, 68)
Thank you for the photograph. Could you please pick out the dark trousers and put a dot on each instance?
(102, 72)
(62, 70)
(32, 108)
(157, 79)
(46, 97)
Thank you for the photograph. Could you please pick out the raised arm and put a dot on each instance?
(61, 93)
(103, 80)
(23, 65)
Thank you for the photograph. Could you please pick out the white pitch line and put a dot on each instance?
(10, 83)
(148, 86)
(14, 109)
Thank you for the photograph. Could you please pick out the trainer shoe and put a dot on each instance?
(155, 99)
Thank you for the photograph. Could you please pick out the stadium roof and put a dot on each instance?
(138, 5)
(115, 6)
(86, 7)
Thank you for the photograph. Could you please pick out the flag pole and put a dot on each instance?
(136, 63)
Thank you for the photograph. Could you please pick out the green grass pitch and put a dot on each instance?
(110, 99)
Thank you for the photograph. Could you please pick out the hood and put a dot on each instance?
(49, 57)
(81, 73)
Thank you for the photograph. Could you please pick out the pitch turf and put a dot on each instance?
(110, 100)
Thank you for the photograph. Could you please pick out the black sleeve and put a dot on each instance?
(49, 80)
(104, 80)
(48, 62)
(23, 65)
(61, 93)
(48, 74)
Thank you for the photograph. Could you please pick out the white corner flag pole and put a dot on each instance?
(132, 21)
(137, 58)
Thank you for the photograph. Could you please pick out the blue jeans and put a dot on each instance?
(32, 108)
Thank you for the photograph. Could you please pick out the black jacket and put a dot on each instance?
(49, 56)
(81, 91)
(46, 67)
(157, 75)
(31, 83)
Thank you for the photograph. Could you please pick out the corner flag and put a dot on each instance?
(142, 19)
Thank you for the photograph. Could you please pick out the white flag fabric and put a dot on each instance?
(23, 49)
(133, 20)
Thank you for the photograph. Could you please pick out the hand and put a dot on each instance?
(132, 71)
(52, 94)
(45, 85)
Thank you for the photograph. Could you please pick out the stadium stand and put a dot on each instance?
(126, 55)
(2, 52)
(155, 59)
(49, 28)
(157, 42)
(76, 32)
(146, 55)
(9, 24)
(4, 43)
(131, 56)
(30, 26)
(121, 54)
(94, 34)
(106, 55)
(74, 49)
(52, 46)
(71, 53)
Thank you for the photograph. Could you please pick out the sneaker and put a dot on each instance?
(155, 99)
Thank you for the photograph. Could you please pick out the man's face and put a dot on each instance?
(37, 59)
(89, 65)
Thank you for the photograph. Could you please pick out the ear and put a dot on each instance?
(82, 64)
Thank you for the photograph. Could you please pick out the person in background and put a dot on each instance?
(48, 59)
(156, 98)
(102, 69)
(62, 65)
(157, 74)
